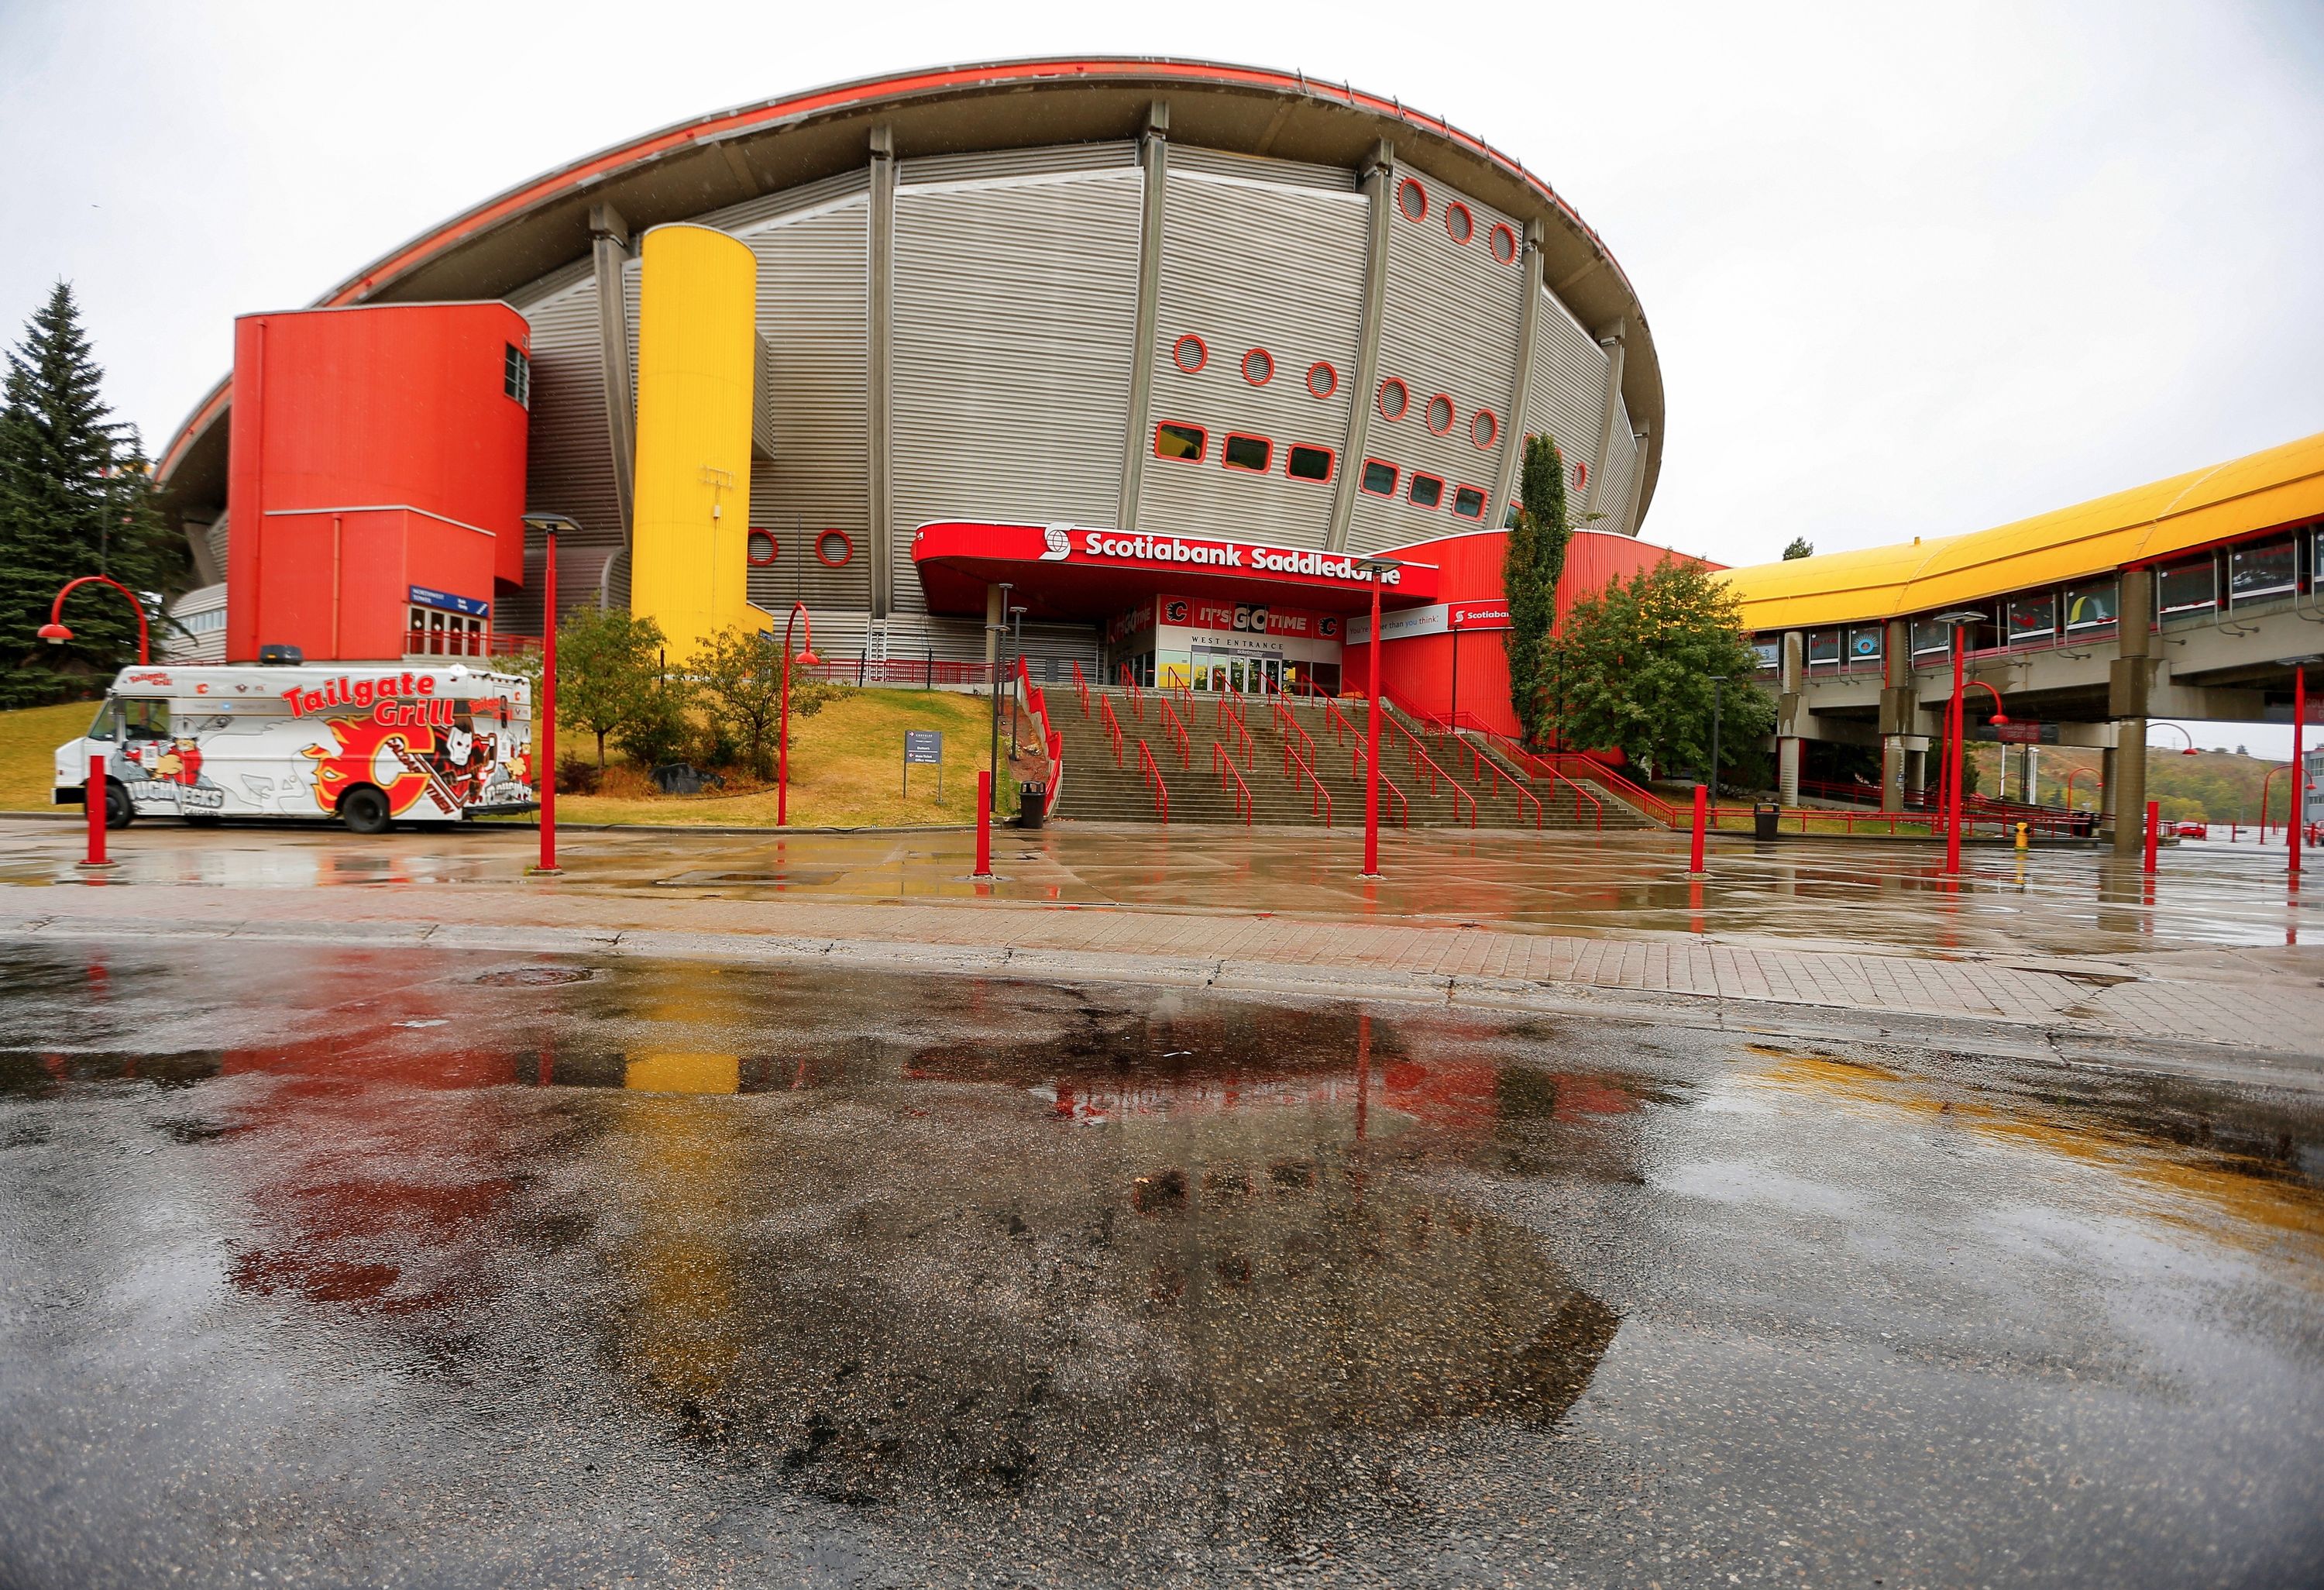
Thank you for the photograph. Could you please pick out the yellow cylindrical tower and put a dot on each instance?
(697, 339)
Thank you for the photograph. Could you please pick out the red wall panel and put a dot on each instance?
(394, 419)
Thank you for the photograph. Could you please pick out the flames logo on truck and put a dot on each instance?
(367, 751)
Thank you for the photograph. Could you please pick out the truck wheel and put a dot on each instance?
(364, 811)
(118, 812)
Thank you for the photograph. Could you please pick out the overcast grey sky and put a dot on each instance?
(1910, 272)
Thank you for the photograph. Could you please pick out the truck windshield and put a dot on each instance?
(147, 720)
(101, 726)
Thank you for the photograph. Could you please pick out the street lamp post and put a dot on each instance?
(55, 632)
(807, 658)
(1951, 796)
(1373, 567)
(545, 730)
(996, 630)
(1016, 650)
(1718, 685)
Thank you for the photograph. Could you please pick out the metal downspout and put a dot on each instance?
(1379, 188)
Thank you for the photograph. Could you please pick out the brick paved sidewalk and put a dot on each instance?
(2262, 1006)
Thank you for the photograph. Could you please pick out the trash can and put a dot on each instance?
(1764, 816)
(1031, 801)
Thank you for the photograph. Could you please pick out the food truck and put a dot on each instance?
(371, 743)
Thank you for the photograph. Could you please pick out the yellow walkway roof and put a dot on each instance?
(2282, 485)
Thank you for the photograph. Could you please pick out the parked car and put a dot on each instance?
(2194, 830)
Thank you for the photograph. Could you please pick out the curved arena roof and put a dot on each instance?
(2282, 485)
(732, 156)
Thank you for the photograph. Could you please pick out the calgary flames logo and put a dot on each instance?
(369, 752)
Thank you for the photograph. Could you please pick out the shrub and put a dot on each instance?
(577, 775)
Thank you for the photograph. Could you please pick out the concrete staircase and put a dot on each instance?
(1436, 782)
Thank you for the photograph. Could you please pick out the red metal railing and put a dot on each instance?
(1153, 772)
(1137, 695)
(1174, 732)
(447, 642)
(1081, 688)
(927, 672)
(1319, 797)
(1356, 769)
(1223, 766)
(1288, 726)
(1421, 762)
(1111, 724)
(1227, 719)
(1036, 703)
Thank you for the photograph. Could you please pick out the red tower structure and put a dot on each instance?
(376, 478)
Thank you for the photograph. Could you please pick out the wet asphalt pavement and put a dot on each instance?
(398, 1267)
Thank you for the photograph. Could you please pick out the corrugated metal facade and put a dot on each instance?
(1012, 379)
(815, 315)
(1569, 382)
(1613, 504)
(1448, 326)
(569, 465)
(987, 164)
(1247, 265)
(1259, 168)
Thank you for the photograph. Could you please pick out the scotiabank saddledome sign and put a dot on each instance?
(1180, 551)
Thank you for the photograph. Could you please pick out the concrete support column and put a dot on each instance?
(2127, 685)
(1379, 184)
(1156, 153)
(993, 627)
(882, 361)
(1787, 712)
(1899, 711)
(1916, 773)
(2106, 785)
(1610, 340)
(609, 252)
(1505, 479)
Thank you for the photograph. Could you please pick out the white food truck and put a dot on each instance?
(371, 743)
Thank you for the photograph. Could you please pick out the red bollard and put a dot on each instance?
(1701, 818)
(93, 797)
(2153, 830)
(983, 823)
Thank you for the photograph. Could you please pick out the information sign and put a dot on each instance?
(924, 746)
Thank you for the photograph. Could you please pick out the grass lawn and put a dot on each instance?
(28, 749)
(846, 767)
(846, 771)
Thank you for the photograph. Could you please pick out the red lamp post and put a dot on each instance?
(807, 658)
(1375, 568)
(55, 632)
(2073, 774)
(1952, 794)
(545, 738)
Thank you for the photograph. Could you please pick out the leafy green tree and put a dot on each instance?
(1800, 547)
(76, 497)
(1532, 565)
(659, 724)
(1635, 664)
(608, 670)
(741, 678)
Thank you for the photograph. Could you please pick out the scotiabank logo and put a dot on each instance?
(1148, 549)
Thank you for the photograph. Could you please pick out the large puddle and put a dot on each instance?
(1067, 1271)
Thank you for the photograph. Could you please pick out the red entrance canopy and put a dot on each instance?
(1067, 572)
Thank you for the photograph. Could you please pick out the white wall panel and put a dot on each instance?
(1448, 326)
(1249, 266)
(1569, 383)
(1012, 377)
(1259, 168)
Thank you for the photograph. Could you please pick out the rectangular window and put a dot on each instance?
(2031, 618)
(1249, 452)
(1824, 648)
(1864, 644)
(1427, 491)
(2093, 607)
(1770, 654)
(1930, 638)
(2270, 571)
(1173, 441)
(1307, 463)
(2189, 588)
(1379, 479)
(516, 375)
(1468, 503)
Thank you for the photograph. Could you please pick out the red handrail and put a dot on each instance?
(1289, 725)
(1223, 765)
(1224, 715)
(1321, 795)
(1356, 769)
(1337, 721)
(1081, 685)
(1136, 696)
(1418, 755)
(1172, 729)
(1153, 772)
(1111, 724)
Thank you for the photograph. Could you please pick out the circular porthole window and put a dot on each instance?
(762, 548)
(1439, 417)
(1412, 199)
(834, 548)
(1504, 244)
(1322, 381)
(1258, 368)
(1458, 226)
(1484, 427)
(1189, 354)
(1394, 399)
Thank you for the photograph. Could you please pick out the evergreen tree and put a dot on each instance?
(1532, 566)
(1800, 547)
(76, 497)
(1634, 665)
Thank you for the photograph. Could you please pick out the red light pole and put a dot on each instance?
(545, 738)
(2297, 818)
(783, 732)
(55, 632)
(1951, 796)
(1375, 568)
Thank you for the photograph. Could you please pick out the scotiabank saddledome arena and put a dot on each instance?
(1159, 352)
